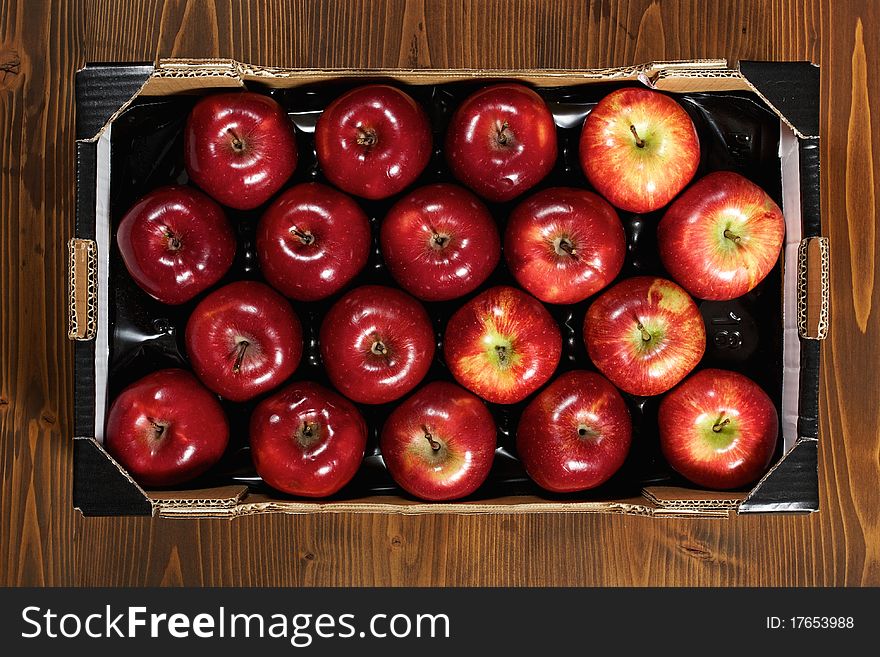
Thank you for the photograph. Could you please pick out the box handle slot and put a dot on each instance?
(82, 312)
(813, 288)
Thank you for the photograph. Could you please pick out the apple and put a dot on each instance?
(564, 244)
(718, 429)
(166, 428)
(377, 343)
(575, 434)
(312, 241)
(243, 340)
(639, 149)
(721, 237)
(176, 242)
(239, 147)
(373, 141)
(502, 345)
(645, 334)
(440, 443)
(440, 242)
(501, 141)
(306, 440)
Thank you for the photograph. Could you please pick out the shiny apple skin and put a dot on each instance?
(240, 148)
(564, 244)
(440, 242)
(632, 178)
(693, 245)
(312, 241)
(458, 424)
(166, 428)
(243, 340)
(306, 440)
(176, 242)
(500, 164)
(399, 131)
(575, 434)
(377, 344)
(502, 345)
(747, 422)
(671, 321)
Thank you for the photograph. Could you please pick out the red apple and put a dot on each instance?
(503, 345)
(373, 141)
(439, 444)
(639, 149)
(645, 334)
(564, 244)
(721, 237)
(501, 141)
(575, 434)
(312, 241)
(166, 428)
(440, 242)
(718, 429)
(176, 242)
(243, 340)
(377, 343)
(307, 440)
(239, 147)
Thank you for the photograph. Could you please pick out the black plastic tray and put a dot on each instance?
(737, 132)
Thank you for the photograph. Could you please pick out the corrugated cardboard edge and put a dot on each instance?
(82, 286)
(176, 509)
(814, 288)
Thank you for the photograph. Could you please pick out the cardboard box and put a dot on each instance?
(789, 90)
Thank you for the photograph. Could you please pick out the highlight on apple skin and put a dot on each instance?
(502, 345)
(575, 434)
(645, 334)
(718, 429)
(439, 444)
(639, 149)
(721, 237)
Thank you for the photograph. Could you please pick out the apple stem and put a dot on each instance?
(379, 348)
(729, 234)
(639, 141)
(242, 347)
(434, 444)
(237, 144)
(173, 241)
(159, 428)
(720, 423)
(568, 247)
(504, 135)
(305, 236)
(366, 136)
(646, 337)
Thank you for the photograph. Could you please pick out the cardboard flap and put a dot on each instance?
(102, 91)
(791, 485)
(103, 488)
(790, 88)
(676, 497)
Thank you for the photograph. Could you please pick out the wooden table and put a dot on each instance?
(44, 541)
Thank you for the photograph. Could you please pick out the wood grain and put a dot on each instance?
(43, 541)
